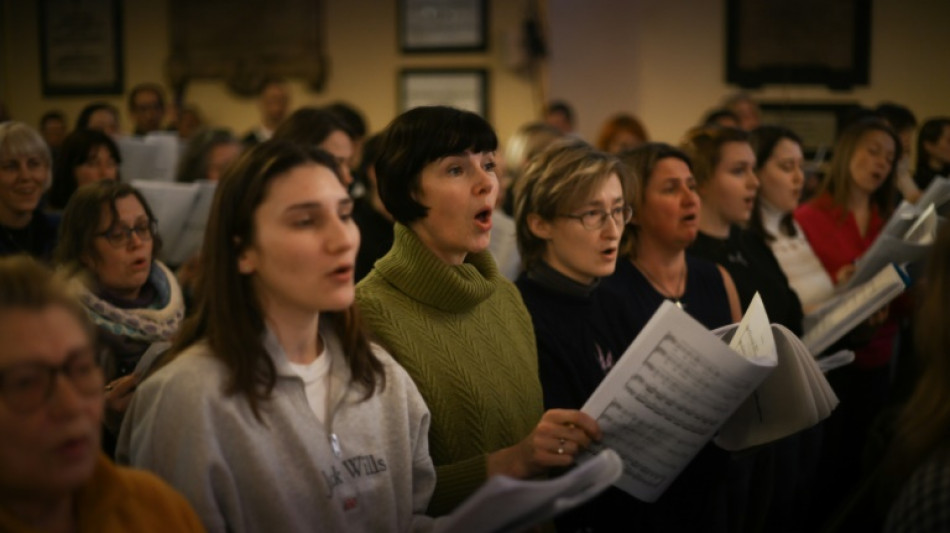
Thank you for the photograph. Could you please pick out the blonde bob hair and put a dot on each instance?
(556, 182)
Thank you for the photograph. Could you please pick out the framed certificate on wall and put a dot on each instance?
(462, 88)
(81, 47)
(443, 25)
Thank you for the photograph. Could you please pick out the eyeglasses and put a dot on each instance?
(595, 219)
(120, 236)
(26, 387)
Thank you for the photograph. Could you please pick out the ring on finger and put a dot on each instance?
(109, 387)
(560, 448)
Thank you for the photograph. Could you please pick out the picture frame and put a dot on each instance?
(81, 47)
(461, 88)
(443, 26)
(798, 43)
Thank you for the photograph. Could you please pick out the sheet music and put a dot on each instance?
(153, 157)
(795, 396)
(666, 396)
(842, 313)
(182, 211)
(506, 504)
(924, 230)
(908, 246)
(937, 193)
(192, 234)
(753, 338)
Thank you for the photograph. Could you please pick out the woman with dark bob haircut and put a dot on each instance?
(275, 413)
(107, 249)
(85, 157)
(437, 302)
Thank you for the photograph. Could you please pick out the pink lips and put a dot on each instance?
(483, 220)
(342, 274)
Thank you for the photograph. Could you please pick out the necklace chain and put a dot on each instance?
(680, 287)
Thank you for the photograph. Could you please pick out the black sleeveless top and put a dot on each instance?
(705, 297)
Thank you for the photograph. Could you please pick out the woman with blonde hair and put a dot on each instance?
(571, 212)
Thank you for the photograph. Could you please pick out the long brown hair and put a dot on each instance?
(228, 311)
(838, 182)
(923, 426)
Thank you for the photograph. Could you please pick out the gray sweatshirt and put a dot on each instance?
(241, 475)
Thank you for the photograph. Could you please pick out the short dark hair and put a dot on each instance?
(562, 107)
(147, 87)
(356, 124)
(310, 126)
(930, 132)
(55, 114)
(194, 162)
(372, 147)
(80, 224)
(898, 116)
(85, 115)
(75, 151)
(416, 138)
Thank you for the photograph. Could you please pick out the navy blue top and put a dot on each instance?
(38, 238)
(705, 297)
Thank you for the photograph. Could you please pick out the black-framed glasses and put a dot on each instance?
(595, 219)
(26, 387)
(119, 236)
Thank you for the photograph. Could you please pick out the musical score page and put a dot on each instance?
(671, 390)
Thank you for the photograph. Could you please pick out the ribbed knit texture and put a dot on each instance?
(465, 337)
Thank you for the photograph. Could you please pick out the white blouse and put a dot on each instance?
(804, 271)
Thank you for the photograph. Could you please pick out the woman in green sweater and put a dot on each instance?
(438, 304)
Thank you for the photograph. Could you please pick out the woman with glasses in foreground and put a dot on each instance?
(107, 247)
(52, 475)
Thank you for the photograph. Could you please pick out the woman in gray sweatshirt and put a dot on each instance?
(274, 412)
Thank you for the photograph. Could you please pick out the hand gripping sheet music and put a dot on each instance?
(672, 390)
(507, 504)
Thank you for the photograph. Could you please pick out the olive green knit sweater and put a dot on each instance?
(465, 337)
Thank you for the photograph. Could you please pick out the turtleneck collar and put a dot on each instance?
(413, 269)
(548, 277)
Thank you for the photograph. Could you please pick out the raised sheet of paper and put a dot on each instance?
(917, 234)
(507, 504)
(153, 157)
(667, 395)
(937, 193)
(844, 312)
(182, 211)
(795, 396)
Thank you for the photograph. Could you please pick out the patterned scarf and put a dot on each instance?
(157, 322)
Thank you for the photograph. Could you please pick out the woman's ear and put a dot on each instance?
(246, 258)
(539, 227)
